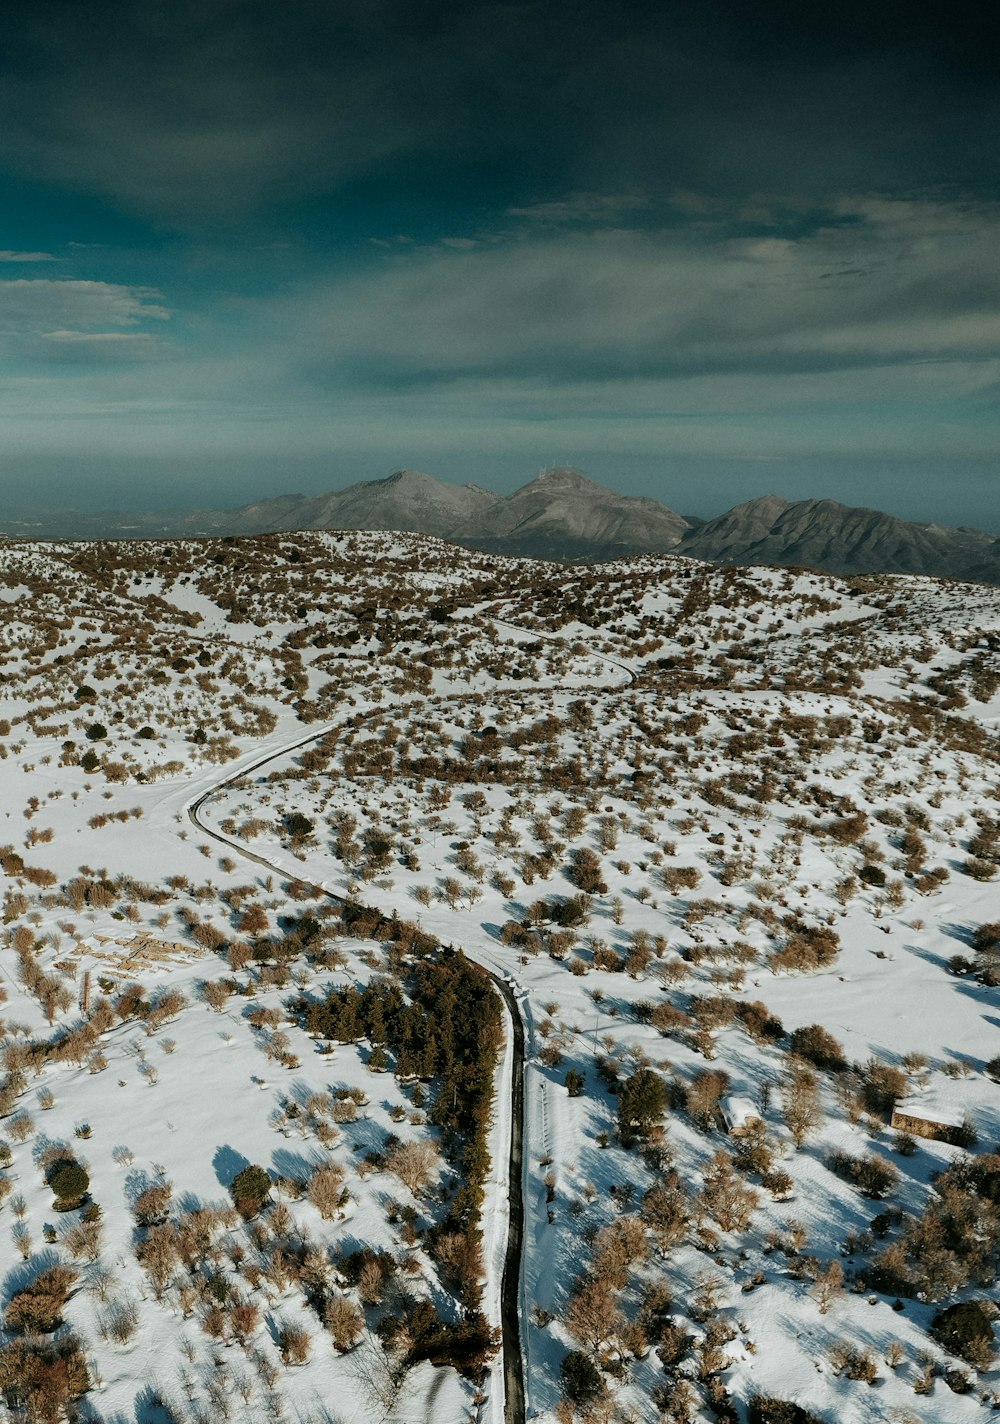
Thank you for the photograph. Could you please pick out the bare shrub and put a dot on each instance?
(216, 994)
(344, 1321)
(415, 1164)
(704, 1095)
(802, 1104)
(294, 1343)
(828, 1285)
(725, 1194)
(151, 1206)
(40, 1305)
(326, 1190)
(120, 1323)
(591, 1315)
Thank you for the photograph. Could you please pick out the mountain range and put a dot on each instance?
(562, 514)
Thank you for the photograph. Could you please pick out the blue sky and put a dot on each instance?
(703, 253)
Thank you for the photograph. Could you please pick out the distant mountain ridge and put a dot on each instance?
(842, 539)
(563, 514)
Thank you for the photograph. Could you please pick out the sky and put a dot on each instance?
(702, 252)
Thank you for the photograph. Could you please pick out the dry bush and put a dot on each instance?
(802, 1105)
(208, 937)
(39, 1307)
(293, 1343)
(159, 1255)
(704, 1095)
(882, 1086)
(726, 1195)
(120, 1323)
(416, 1164)
(151, 1206)
(23, 940)
(326, 1190)
(244, 1319)
(371, 1283)
(167, 1006)
(47, 1377)
(215, 993)
(828, 1285)
(83, 1241)
(44, 879)
(808, 947)
(618, 1247)
(819, 1047)
(591, 1315)
(665, 1209)
(680, 877)
(344, 1321)
(874, 1176)
(21, 1127)
(855, 1363)
(253, 921)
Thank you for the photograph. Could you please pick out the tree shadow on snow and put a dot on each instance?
(295, 1165)
(152, 1408)
(21, 1276)
(961, 932)
(982, 993)
(228, 1164)
(929, 956)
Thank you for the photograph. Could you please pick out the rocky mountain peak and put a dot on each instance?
(564, 477)
(404, 478)
(563, 514)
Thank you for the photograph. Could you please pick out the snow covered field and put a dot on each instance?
(692, 814)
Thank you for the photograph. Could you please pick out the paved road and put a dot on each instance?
(510, 1282)
(510, 1285)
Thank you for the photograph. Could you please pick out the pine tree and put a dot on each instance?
(642, 1101)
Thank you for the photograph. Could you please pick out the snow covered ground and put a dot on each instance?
(762, 765)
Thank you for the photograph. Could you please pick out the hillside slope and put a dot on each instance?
(562, 514)
(732, 838)
(822, 534)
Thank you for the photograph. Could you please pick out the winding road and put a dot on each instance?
(510, 1282)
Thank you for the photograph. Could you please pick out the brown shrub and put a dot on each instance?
(344, 1321)
(326, 1190)
(39, 1307)
(704, 1095)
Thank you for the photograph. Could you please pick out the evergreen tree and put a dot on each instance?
(642, 1101)
(581, 1379)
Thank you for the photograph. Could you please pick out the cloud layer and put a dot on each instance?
(208, 109)
(43, 321)
(529, 230)
(879, 281)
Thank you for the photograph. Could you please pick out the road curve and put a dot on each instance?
(558, 638)
(510, 1281)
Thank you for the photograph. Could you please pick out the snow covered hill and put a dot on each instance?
(733, 837)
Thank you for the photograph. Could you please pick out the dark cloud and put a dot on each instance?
(197, 109)
(535, 230)
(189, 110)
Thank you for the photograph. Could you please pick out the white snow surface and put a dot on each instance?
(209, 1108)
